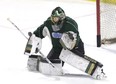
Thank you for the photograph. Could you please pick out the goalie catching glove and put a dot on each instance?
(33, 45)
(68, 40)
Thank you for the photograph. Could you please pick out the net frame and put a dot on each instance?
(108, 35)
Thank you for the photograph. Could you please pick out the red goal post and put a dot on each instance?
(98, 23)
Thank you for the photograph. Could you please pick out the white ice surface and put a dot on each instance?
(28, 15)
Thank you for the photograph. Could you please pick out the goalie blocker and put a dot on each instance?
(84, 63)
(33, 44)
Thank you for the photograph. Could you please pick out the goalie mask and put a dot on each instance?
(57, 17)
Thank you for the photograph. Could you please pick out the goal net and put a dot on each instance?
(107, 20)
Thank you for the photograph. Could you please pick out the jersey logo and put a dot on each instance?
(56, 35)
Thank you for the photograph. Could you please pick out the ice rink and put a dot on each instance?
(28, 15)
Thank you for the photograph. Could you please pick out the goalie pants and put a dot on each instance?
(80, 47)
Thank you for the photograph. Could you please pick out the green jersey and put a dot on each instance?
(48, 29)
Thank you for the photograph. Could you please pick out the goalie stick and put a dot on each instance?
(16, 27)
(43, 56)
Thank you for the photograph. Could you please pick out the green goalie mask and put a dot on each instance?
(57, 15)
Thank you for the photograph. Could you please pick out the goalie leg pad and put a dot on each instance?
(37, 63)
(32, 63)
(85, 63)
(45, 68)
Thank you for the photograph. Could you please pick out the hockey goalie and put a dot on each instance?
(67, 47)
